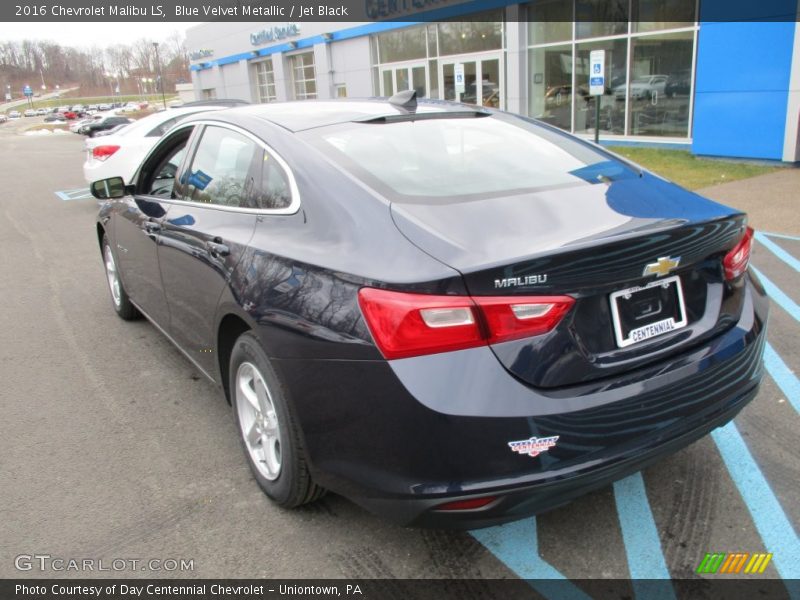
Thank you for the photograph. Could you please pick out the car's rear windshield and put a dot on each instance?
(467, 156)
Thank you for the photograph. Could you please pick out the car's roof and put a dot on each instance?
(307, 114)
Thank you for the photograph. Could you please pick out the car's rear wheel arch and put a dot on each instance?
(230, 328)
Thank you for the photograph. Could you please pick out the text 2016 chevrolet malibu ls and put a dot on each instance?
(453, 316)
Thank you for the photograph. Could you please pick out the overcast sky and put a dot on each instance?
(90, 34)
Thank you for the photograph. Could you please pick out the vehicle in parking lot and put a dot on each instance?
(76, 126)
(121, 154)
(453, 316)
(103, 123)
(103, 107)
(29, 112)
(40, 112)
(14, 114)
(111, 131)
(3, 118)
(55, 117)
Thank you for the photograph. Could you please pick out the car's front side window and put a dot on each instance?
(222, 167)
(160, 172)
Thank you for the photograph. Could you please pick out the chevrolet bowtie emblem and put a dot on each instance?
(662, 266)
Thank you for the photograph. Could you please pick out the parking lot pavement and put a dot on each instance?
(113, 446)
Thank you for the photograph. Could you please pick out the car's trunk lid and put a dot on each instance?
(588, 241)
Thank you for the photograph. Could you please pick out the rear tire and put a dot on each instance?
(267, 427)
(119, 297)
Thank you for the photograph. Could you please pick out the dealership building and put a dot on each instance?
(677, 72)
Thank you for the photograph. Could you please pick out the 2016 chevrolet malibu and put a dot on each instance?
(453, 316)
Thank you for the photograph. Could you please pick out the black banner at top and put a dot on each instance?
(675, 11)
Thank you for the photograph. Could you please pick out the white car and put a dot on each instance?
(29, 112)
(78, 123)
(119, 154)
(14, 114)
(643, 87)
(3, 118)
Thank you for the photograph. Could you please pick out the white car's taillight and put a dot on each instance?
(101, 153)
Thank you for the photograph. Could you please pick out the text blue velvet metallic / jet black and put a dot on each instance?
(402, 436)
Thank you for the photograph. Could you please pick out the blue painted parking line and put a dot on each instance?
(640, 534)
(77, 194)
(771, 522)
(782, 236)
(778, 251)
(778, 296)
(782, 375)
(517, 546)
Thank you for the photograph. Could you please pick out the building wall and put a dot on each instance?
(742, 85)
(746, 96)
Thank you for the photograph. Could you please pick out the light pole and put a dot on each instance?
(110, 84)
(160, 76)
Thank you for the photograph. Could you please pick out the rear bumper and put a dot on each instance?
(403, 437)
(534, 498)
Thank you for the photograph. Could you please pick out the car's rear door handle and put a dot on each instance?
(152, 226)
(217, 248)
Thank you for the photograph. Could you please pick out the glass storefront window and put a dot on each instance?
(402, 44)
(433, 77)
(462, 37)
(304, 76)
(418, 81)
(597, 18)
(661, 84)
(612, 102)
(265, 80)
(550, 21)
(652, 15)
(648, 71)
(550, 85)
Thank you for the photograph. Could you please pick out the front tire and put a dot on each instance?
(267, 427)
(119, 297)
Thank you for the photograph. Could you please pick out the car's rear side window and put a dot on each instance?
(273, 191)
(466, 156)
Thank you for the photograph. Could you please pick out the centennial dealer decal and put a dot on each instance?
(533, 446)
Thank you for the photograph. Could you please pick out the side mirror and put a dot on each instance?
(107, 189)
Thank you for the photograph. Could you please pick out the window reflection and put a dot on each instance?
(550, 85)
(647, 93)
(661, 85)
(596, 18)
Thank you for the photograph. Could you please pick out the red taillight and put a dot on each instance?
(103, 152)
(405, 325)
(735, 261)
(468, 504)
(512, 318)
